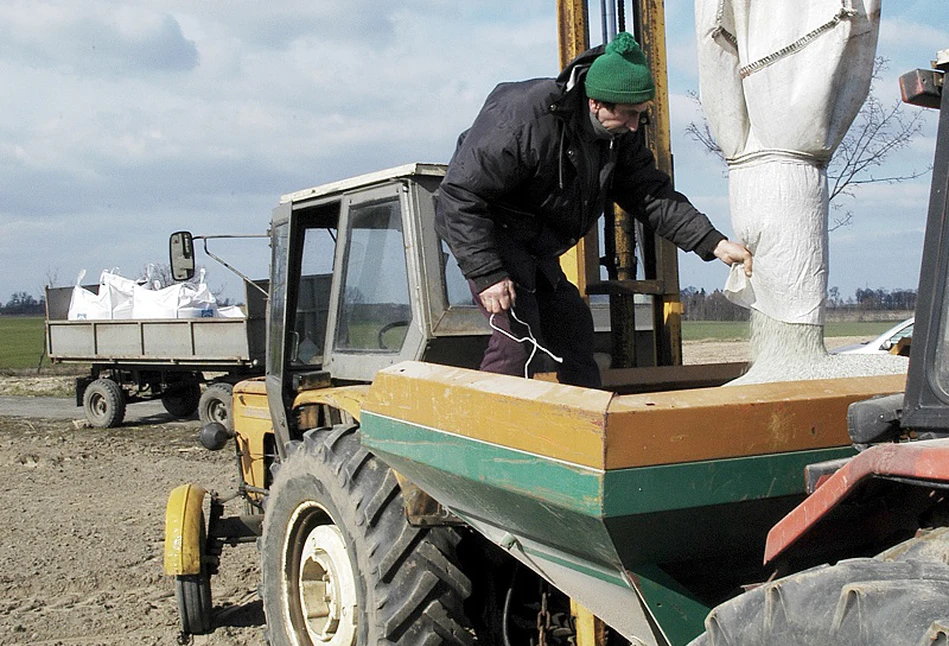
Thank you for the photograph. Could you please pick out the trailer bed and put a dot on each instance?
(200, 343)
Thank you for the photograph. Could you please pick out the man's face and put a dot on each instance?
(619, 119)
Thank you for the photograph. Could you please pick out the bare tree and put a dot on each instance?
(702, 132)
(876, 132)
(52, 276)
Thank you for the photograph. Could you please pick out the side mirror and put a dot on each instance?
(181, 252)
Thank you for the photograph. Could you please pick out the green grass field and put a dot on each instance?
(22, 345)
(21, 342)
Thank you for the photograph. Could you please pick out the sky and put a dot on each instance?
(124, 122)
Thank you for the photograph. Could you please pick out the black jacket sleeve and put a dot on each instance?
(646, 192)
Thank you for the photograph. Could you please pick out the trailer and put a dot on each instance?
(190, 364)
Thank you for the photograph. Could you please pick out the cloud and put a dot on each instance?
(913, 34)
(128, 120)
(94, 38)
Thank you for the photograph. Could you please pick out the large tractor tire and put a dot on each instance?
(181, 400)
(216, 405)
(104, 403)
(341, 565)
(899, 597)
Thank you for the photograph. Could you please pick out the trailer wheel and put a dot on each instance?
(898, 597)
(215, 405)
(181, 400)
(340, 563)
(104, 403)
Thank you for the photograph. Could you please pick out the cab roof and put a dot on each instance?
(368, 179)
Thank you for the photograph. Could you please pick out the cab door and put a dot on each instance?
(277, 397)
(376, 319)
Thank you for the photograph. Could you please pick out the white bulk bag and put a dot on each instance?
(231, 312)
(196, 301)
(114, 300)
(181, 301)
(781, 83)
(87, 305)
(120, 291)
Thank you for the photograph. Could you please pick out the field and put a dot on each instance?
(22, 346)
(83, 531)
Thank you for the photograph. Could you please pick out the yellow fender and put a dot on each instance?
(345, 398)
(184, 530)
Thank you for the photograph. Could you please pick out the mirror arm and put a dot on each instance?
(204, 241)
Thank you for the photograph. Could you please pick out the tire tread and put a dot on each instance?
(414, 586)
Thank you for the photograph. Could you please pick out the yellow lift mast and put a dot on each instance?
(660, 263)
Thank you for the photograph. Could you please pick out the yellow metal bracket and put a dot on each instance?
(590, 630)
(184, 530)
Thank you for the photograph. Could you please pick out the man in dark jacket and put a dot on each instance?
(532, 176)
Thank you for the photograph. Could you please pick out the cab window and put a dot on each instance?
(374, 312)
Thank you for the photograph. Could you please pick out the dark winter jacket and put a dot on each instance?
(530, 178)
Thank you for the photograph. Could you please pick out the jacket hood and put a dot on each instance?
(575, 68)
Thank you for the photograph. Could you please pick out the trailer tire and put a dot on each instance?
(193, 594)
(181, 400)
(216, 405)
(341, 565)
(898, 597)
(104, 403)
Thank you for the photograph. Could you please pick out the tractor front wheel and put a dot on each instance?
(193, 594)
(341, 565)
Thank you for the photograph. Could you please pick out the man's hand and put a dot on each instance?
(731, 252)
(499, 296)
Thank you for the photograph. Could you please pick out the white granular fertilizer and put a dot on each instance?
(795, 352)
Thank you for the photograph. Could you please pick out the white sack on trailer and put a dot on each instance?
(121, 290)
(179, 301)
(781, 81)
(113, 300)
(86, 305)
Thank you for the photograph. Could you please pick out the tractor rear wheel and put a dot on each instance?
(341, 565)
(899, 597)
(104, 403)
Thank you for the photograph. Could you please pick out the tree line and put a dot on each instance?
(699, 305)
(23, 303)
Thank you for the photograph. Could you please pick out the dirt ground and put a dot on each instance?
(697, 352)
(82, 527)
(82, 523)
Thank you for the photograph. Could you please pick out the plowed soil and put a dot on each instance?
(82, 528)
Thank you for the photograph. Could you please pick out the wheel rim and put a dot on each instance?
(98, 405)
(319, 586)
(217, 411)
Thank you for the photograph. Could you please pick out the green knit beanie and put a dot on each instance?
(620, 74)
